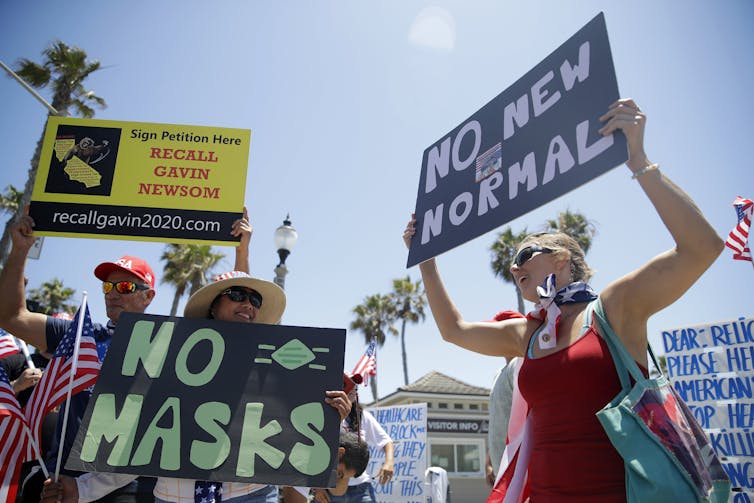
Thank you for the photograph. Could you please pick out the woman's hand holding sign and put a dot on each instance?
(626, 115)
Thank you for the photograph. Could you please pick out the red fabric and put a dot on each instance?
(13, 439)
(498, 492)
(508, 314)
(572, 459)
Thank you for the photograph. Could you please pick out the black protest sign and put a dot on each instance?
(534, 142)
(213, 400)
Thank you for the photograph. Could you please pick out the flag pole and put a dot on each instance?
(25, 350)
(376, 399)
(36, 452)
(74, 361)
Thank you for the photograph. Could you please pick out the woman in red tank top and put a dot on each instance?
(568, 373)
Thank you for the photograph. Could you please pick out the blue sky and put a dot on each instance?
(343, 97)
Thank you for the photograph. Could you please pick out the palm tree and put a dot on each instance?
(575, 225)
(175, 272)
(64, 68)
(188, 267)
(374, 317)
(408, 304)
(10, 201)
(52, 297)
(503, 252)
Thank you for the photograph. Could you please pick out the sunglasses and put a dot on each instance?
(240, 295)
(524, 254)
(124, 287)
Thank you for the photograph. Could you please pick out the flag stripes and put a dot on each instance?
(8, 344)
(738, 239)
(13, 439)
(367, 365)
(52, 389)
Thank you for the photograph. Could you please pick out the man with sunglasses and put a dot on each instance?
(128, 285)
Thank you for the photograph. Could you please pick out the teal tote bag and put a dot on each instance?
(667, 455)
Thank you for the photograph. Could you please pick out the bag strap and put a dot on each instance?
(624, 362)
(609, 337)
(654, 359)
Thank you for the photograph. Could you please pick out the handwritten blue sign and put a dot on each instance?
(407, 427)
(712, 368)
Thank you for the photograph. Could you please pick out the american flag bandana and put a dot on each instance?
(547, 307)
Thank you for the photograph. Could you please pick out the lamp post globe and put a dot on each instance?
(285, 240)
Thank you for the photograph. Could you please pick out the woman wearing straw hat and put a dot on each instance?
(236, 296)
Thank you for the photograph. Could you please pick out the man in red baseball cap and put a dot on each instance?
(128, 284)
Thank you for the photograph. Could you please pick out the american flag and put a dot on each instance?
(8, 344)
(367, 365)
(13, 439)
(52, 388)
(738, 239)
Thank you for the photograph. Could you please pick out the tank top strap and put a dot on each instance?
(588, 316)
(529, 351)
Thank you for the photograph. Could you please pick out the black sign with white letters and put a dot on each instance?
(534, 142)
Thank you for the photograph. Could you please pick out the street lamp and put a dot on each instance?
(285, 239)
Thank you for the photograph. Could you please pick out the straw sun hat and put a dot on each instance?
(273, 297)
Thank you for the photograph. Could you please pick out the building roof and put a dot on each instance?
(438, 383)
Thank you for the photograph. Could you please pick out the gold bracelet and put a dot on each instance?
(645, 169)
